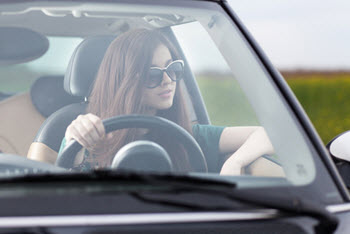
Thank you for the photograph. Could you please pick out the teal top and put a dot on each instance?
(207, 136)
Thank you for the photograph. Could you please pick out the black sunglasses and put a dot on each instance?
(174, 70)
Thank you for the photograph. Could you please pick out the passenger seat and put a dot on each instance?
(19, 122)
(22, 114)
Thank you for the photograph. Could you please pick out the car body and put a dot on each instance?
(228, 81)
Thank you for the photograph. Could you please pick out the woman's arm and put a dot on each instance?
(248, 143)
(87, 129)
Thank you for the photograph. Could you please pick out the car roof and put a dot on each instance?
(50, 20)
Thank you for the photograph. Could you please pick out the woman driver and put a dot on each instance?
(138, 75)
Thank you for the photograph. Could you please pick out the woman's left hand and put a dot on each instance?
(231, 167)
(256, 145)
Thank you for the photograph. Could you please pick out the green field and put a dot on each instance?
(225, 102)
(324, 96)
(326, 99)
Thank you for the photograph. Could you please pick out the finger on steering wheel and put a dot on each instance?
(98, 125)
(87, 130)
(73, 133)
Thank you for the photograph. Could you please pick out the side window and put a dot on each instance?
(224, 99)
(19, 77)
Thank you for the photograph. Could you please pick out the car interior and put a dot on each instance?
(43, 113)
(31, 108)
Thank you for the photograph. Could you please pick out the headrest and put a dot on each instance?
(48, 95)
(84, 64)
(19, 45)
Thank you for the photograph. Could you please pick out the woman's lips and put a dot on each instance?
(165, 94)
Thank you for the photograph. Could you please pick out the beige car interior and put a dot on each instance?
(19, 123)
(23, 114)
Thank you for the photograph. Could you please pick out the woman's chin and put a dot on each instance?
(164, 106)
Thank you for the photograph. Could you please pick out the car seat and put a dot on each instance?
(79, 77)
(19, 122)
(23, 114)
(48, 95)
(19, 119)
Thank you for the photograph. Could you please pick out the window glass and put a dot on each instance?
(19, 77)
(225, 101)
(238, 92)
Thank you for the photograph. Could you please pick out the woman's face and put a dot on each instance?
(160, 97)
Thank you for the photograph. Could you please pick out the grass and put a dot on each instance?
(327, 102)
(225, 102)
(16, 78)
(324, 96)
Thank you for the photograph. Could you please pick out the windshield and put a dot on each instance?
(152, 67)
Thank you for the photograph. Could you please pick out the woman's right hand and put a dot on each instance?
(87, 129)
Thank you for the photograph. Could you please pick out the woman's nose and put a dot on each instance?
(166, 79)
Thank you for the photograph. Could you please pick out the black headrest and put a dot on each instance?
(19, 45)
(84, 64)
(48, 95)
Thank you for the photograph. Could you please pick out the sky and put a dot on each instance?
(299, 34)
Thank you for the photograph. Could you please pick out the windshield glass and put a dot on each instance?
(185, 65)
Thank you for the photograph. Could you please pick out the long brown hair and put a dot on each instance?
(118, 91)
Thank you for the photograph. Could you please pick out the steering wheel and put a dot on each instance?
(196, 157)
